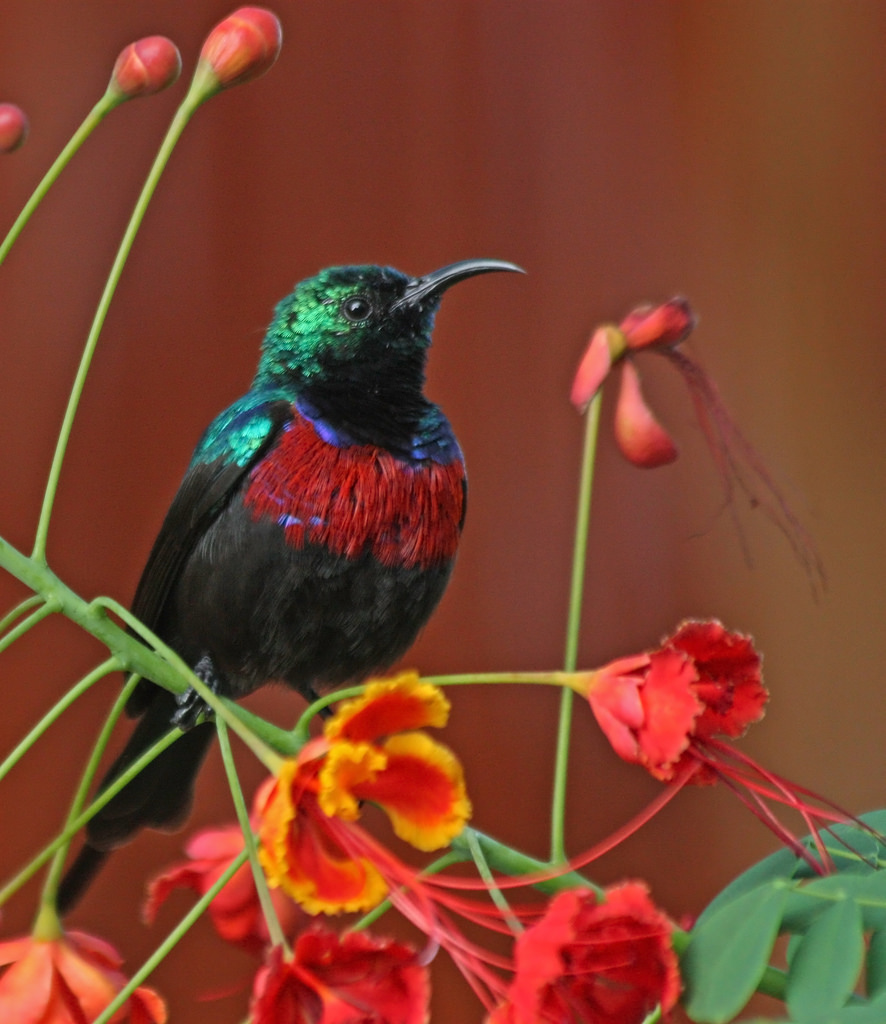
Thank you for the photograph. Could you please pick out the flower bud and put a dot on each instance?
(607, 345)
(668, 324)
(13, 127)
(145, 67)
(641, 438)
(240, 48)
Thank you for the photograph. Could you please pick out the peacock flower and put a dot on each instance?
(352, 979)
(144, 67)
(236, 912)
(643, 440)
(608, 961)
(68, 979)
(13, 127)
(372, 751)
(659, 708)
(667, 710)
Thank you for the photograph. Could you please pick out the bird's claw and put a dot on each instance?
(191, 706)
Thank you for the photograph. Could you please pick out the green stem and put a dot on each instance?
(19, 610)
(570, 658)
(54, 875)
(64, 837)
(275, 931)
(484, 871)
(90, 123)
(55, 712)
(508, 861)
(8, 639)
(177, 126)
(170, 942)
(223, 709)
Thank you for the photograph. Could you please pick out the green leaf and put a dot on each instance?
(876, 963)
(827, 962)
(728, 953)
(780, 865)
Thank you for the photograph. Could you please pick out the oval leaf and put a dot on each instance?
(728, 953)
(876, 964)
(827, 962)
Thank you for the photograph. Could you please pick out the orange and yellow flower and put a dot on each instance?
(372, 751)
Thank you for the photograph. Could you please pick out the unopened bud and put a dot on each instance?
(145, 67)
(642, 439)
(242, 47)
(667, 324)
(13, 127)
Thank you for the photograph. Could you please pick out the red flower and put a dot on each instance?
(145, 67)
(657, 709)
(68, 980)
(372, 750)
(607, 962)
(355, 979)
(235, 912)
(644, 442)
(13, 127)
(241, 47)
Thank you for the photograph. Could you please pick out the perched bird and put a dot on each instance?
(312, 536)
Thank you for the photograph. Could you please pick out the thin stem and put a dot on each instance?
(37, 862)
(223, 710)
(484, 871)
(54, 875)
(570, 658)
(19, 610)
(111, 665)
(90, 123)
(8, 639)
(177, 126)
(171, 941)
(275, 931)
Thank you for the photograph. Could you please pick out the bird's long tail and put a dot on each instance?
(160, 796)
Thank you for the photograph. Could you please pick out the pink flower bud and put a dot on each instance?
(667, 324)
(607, 345)
(13, 127)
(641, 438)
(242, 47)
(145, 67)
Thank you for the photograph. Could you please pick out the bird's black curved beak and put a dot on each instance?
(421, 289)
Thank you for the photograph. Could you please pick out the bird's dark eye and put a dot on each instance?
(356, 308)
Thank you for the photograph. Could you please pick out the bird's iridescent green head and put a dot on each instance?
(358, 322)
(349, 347)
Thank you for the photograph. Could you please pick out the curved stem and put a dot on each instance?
(570, 657)
(90, 123)
(179, 120)
(54, 875)
(18, 611)
(36, 616)
(64, 837)
(55, 712)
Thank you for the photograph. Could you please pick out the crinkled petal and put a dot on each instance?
(300, 853)
(671, 710)
(346, 767)
(388, 706)
(421, 789)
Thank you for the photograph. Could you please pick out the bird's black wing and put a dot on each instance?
(204, 492)
(160, 795)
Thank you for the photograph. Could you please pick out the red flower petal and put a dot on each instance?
(641, 438)
(667, 324)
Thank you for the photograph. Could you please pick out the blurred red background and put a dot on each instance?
(730, 152)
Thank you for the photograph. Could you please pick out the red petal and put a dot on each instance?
(667, 324)
(641, 438)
